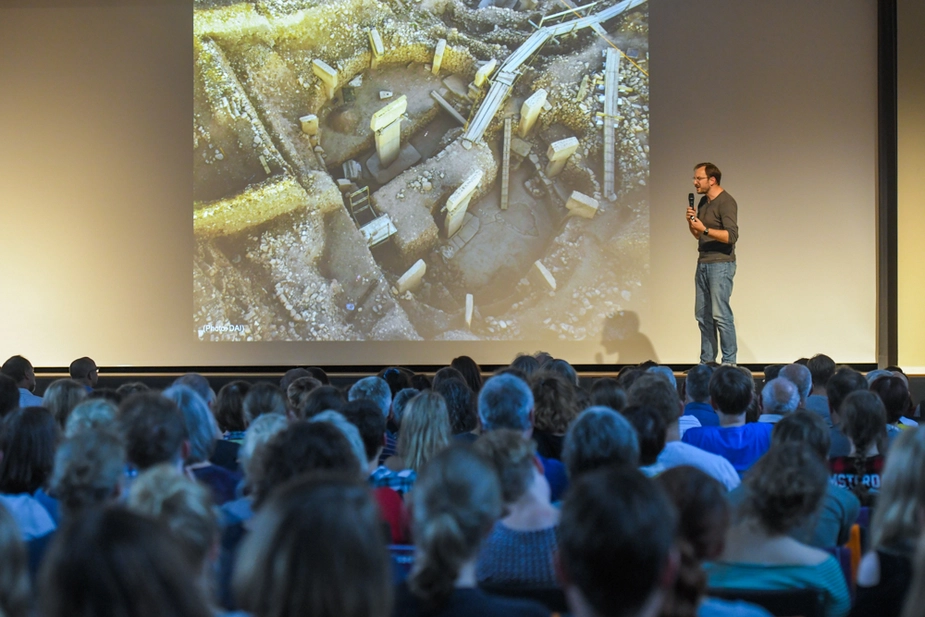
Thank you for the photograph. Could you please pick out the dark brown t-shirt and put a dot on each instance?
(721, 213)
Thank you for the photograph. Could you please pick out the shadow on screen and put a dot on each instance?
(621, 336)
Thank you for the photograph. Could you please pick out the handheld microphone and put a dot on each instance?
(690, 200)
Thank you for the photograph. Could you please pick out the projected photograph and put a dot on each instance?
(432, 170)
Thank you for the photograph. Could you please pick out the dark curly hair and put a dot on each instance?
(784, 487)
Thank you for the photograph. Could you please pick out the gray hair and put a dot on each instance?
(199, 385)
(258, 433)
(800, 376)
(200, 425)
(665, 372)
(599, 437)
(61, 397)
(350, 431)
(780, 396)
(89, 468)
(876, 374)
(505, 401)
(90, 414)
(375, 389)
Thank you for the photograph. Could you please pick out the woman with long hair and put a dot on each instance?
(555, 406)
(455, 503)
(885, 573)
(425, 431)
(864, 424)
(317, 547)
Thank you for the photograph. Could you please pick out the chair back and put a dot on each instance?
(806, 602)
(552, 598)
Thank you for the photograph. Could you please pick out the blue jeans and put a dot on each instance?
(713, 282)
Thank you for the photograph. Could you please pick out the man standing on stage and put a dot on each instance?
(715, 226)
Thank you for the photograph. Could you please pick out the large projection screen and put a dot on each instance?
(96, 166)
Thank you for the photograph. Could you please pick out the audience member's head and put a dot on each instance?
(351, 432)
(606, 392)
(199, 384)
(456, 500)
(425, 430)
(321, 399)
(421, 382)
(772, 371)
(703, 513)
(527, 364)
(563, 368)
(697, 383)
(15, 587)
(290, 376)
(731, 390)
(784, 488)
(89, 469)
(319, 374)
(650, 431)
(61, 397)
(401, 401)
(94, 413)
(374, 389)
(153, 430)
(506, 402)
(447, 372)
(780, 396)
(628, 375)
(845, 381)
(513, 458)
(9, 395)
(397, 378)
(201, 428)
(616, 541)
(84, 371)
(805, 428)
(28, 439)
(897, 519)
(114, 562)
(183, 506)
(304, 446)
(554, 402)
(263, 397)
(863, 421)
(366, 416)
(298, 391)
(229, 406)
(127, 389)
(19, 370)
(460, 405)
(665, 372)
(114, 396)
(821, 367)
(894, 393)
(316, 548)
(654, 391)
(801, 377)
(599, 437)
(257, 435)
(470, 371)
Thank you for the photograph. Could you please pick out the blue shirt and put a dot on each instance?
(555, 474)
(703, 412)
(740, 445)
(27, 399)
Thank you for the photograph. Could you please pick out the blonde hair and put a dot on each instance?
(425, 429)
(15, 590)
(61, 397)
(512, 457)
(456, 501)
(180, 504)
(902, 492)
